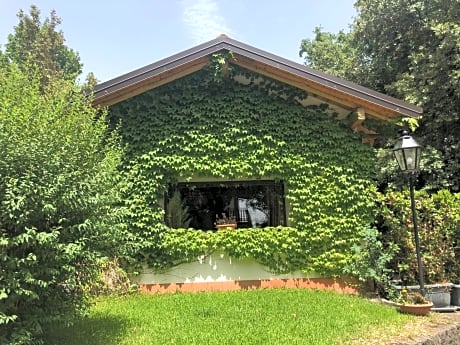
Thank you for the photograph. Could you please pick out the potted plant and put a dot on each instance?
(226, 222)
(413, 303)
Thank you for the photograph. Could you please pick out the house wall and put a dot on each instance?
(198, 127)
(218, 271)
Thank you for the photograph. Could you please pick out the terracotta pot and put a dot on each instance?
(225, 226)
(416, 309)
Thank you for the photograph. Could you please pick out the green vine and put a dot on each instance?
(198, 126)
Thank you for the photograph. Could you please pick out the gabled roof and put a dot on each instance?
(324, 86)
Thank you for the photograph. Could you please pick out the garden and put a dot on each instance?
(90, 196)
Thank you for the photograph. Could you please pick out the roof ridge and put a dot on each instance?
(224, 42)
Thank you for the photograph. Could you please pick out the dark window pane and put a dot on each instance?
(252, 203)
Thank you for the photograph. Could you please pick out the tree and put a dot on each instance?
(408, 49)
(432, 82)
(335, 54)
(413, 45)
(37, 43)
(59, 187)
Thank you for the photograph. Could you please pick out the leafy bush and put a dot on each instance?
(372, 256)
(110, 279)
(58, 187)
(438, 220)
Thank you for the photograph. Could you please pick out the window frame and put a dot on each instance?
(273, 198)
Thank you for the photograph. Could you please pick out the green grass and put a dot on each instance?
(280, 316)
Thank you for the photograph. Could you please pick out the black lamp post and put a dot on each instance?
(407, 152)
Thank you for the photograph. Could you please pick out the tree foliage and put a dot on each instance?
(58, 178)
(433, 82)
(411, 50)
(38, 43)
(335, 54)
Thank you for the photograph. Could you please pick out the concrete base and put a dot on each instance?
(218, 272)
(307, 283)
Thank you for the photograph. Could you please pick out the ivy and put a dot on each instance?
(240, 125)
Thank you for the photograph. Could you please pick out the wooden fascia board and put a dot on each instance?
(334, 83)
(143, 79)
(328, 91)
(299, 83)
(333, 96)
(151, 81)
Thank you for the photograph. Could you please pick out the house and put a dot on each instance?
(227, 130)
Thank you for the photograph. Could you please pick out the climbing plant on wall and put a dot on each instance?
(239, 125)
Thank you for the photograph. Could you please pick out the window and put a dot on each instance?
(252, 203)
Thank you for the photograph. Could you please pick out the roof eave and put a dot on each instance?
(191, 60)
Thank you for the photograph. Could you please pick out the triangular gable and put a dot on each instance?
(326, 87)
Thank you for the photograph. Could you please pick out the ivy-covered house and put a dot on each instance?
(225, 130)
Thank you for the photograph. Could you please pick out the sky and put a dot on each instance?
(116, 37)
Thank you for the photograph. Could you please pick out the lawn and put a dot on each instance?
(279, 316)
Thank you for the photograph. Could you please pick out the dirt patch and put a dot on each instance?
(437, 328)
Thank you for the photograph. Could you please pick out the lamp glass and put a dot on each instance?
(407, 153)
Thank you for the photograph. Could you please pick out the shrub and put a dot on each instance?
(438, 220)
(110, 279)
(371, 259)
(58, 187)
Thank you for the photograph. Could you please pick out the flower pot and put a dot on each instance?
(440, 299)
(439, 295)
(225, 226)
(415, 309)
(455, 295)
